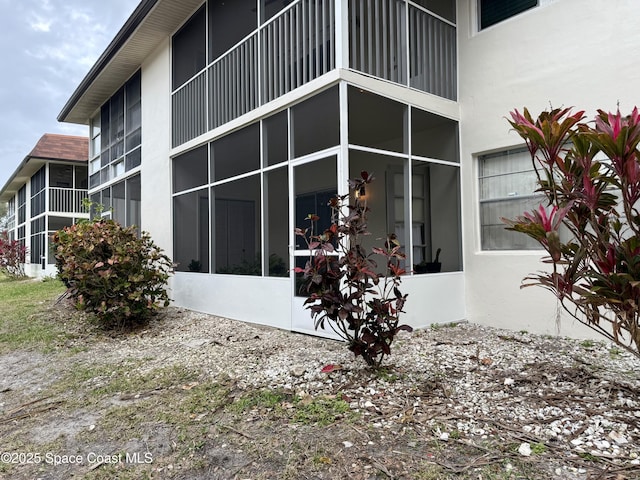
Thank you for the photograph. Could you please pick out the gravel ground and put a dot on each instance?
(461, 401)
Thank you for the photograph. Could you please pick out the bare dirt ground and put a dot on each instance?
(194, 396)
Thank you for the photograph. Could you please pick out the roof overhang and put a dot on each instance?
(148, 26)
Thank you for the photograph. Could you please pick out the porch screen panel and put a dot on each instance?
(297, 47)
(233, 83)
(376, 38)
(191, 231)
(432, 48)
(236, 226)
(189, 112)
(37, 239)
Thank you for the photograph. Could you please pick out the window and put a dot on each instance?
(236, 226)
(495, 11)
(119, 134)
(121, 202)
(317, 114)
(190, 170)
(37, 239)
(11, 214)
(229, 22)
(376, 121)
(191, 231)
(416, 198)
(189, 45)
(22, 206)
(61, 176)
(236, 153)
(37, 192)
(507, 185)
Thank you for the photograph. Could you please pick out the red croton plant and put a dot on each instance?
(345, 290)
(589, 174)
(12, 256)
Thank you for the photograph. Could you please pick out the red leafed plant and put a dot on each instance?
(345, 291)
(12, 256)
(589, 175)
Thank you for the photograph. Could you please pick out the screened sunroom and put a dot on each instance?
(296, 98)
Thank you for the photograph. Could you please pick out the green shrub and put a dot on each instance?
(111, 272)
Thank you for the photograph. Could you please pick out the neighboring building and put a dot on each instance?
(218, 126)
(45, 194)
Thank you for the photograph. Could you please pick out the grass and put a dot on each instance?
(24, 323)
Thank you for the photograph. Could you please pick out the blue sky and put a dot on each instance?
(46, 49)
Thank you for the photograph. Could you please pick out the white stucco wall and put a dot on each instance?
(156, 145)
(564, 53)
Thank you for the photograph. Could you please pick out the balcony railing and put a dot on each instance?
(388, 39)
(66, 200)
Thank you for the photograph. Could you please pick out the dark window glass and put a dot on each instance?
(229, 22)
(236, 227)
(436, 205)
(190, 169)
(117, 124)
(58, 223)
(191, 231)
(38, 181)
(105, 136)
(315, 183)
(316, 123)
(444, 8)
(276, 222)
(375, 121)
(81, 177)
(433, 136)
(133, 201)
(37, 239)
(22, 205)
(271, 7)
(37, 192)
(495, 11)
(276, 139)
(133, 159)
(189, 48)
(236, 153)
(94, 180)
(119, 203)
(61, 176)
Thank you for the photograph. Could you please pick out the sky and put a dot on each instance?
(46, 49)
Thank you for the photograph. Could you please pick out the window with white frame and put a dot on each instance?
(491, 12)
(507, 184)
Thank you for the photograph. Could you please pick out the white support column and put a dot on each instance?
(342, 33)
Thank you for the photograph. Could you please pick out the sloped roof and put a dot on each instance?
(61, 147)
(51, 147)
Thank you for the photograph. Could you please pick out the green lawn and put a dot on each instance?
(26, 321)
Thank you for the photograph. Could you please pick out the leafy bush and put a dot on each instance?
(345, 291)
(590, 176)
(12, 256)
(111, 272)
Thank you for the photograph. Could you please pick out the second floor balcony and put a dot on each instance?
(399, 41)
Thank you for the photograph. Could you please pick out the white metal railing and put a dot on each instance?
(66, 200)
(189, 110)
(389, 39)
(432, 59)
(297, 47)
(233, 83)
(290, 50)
